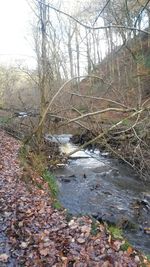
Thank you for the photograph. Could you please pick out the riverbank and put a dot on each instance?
(33, 233)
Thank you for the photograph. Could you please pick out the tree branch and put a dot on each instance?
(54, 97)
(106, 131)
(100, 112)
(99, 98)
(94, 28)
(140, 13)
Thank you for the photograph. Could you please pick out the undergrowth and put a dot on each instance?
(94, 227)
(116, 232)
(4, 120)
(125, 246)
(32, 162)
(50, 179)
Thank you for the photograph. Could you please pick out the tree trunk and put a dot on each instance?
(42, 65)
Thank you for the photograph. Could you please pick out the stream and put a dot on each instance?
(93, 183)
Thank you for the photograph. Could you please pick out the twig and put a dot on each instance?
(54, 97)
(94, 28)
(105, 132)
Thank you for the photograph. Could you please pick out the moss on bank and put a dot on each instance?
(116, 232)
(50, 179)
(36, 162)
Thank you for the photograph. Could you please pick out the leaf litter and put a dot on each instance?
(33, 233)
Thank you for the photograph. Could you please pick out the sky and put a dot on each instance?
(15, 33)
(16, 17)
(16, 45)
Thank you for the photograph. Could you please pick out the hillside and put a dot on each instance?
(117, 96)
(123, 76)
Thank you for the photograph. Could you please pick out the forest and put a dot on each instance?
(75, 138)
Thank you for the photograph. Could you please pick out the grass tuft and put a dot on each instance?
(94, 227)
(125, 246)
(116, 232)
(50, 179)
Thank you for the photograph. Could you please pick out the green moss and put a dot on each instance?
(4, 120)
(115, 232)
(83, 109)
(125, 246)
(57, 205)
(148, 257)
(37, 162)
(127, 122)
(94, 227)
(23, 152)
(39, 186)
(50, 179)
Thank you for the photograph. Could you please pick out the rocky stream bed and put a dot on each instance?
(93, 183)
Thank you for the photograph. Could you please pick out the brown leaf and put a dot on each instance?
(109, 239)
(129, 250)
(24, 245)
(1, 167)
(117, 244)
(64, 261)
(105, 264)
(81, 240)
(44, 252)
(20, 224)
(4, 257)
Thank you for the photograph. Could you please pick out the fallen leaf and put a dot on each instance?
(129, 250)
(105, 264)
(65, 261)
(109, 239)
(44, 252)
(81, 240)
(117, 244)
(1, 167)
(24, 245)
(86, 229)
(137, 259)
(4, 257)
(20, 224)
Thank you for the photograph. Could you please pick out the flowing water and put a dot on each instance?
(92, 183)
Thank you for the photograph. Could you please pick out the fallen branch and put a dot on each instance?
(99, 98)
(105, 132)
(58, 92)
(100, 112)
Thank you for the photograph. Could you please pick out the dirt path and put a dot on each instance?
(32, 233)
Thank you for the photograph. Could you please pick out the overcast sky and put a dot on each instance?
(15, 30)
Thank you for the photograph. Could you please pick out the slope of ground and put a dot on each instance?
(122, 76)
